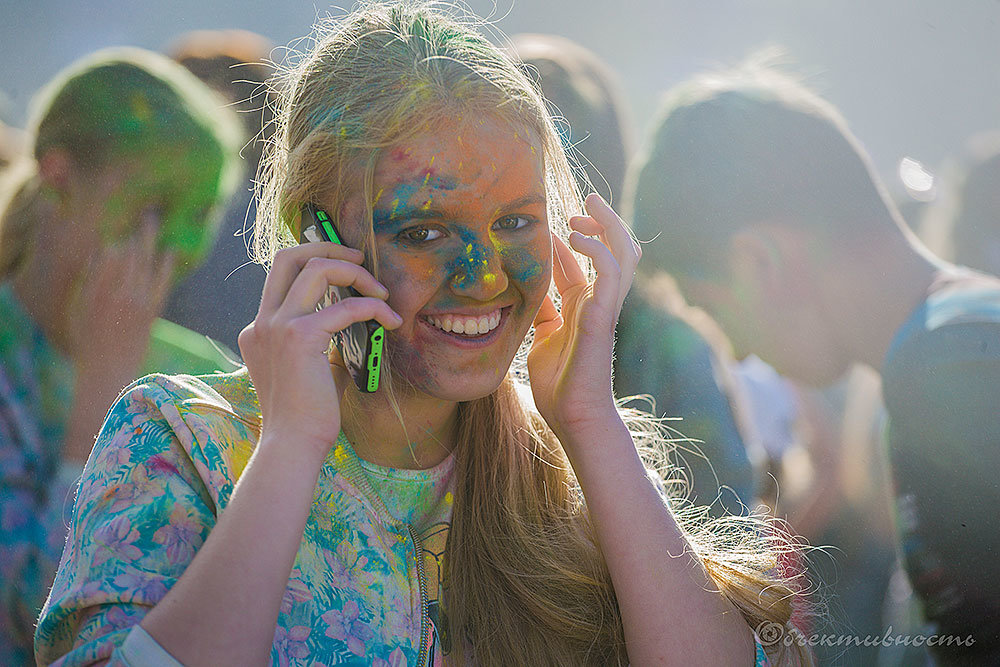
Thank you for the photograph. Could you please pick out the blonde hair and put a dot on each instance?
(525, 581)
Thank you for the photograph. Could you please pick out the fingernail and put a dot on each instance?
(398, 317)
(383, 290)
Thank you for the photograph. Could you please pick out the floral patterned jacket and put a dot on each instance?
(365, 582)
(365, 585)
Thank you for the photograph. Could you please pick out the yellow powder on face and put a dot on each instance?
(490, 278)
(498, 244)
(378, 196)
(448, 498)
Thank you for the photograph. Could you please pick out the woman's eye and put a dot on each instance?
(420, 234)
(513, 222)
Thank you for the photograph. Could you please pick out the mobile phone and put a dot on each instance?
(361, 344)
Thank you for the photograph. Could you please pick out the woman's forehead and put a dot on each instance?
(461, 154)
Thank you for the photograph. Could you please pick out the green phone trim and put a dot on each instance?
(377, 337)
(375, 358)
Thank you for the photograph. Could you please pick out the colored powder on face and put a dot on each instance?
(471, 264)
(191, 209)
(522, 264)
(181, 184)
(404, 195)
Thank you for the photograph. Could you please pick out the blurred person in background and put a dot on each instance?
(220, 297)
(131, 162)
(662, 347)
(774, 221)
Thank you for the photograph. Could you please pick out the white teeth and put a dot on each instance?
(470, 326)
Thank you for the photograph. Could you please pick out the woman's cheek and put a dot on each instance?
(406, 278)
(529, 267)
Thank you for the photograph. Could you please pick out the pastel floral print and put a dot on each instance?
(36, 388)
(164, 466)
(345, 626)
(37, 488)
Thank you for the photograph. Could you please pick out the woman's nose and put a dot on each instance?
(479, 273)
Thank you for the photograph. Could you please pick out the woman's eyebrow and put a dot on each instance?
(528, 200)
(381, 217)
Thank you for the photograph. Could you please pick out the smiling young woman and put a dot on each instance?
(280, 515)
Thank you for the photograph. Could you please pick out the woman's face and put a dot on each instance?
(106, 205)
(181, 186)
(464, 249)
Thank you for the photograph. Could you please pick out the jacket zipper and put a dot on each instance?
(352, 469)
(422, 657)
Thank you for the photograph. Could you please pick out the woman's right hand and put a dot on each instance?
(115, 302)
(285, 347)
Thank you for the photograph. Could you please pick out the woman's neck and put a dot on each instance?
(376, 431)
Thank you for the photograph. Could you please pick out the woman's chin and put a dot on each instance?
(453, 387)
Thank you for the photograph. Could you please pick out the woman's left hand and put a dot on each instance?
(570, 361)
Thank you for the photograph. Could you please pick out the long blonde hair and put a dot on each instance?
(525, 581)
